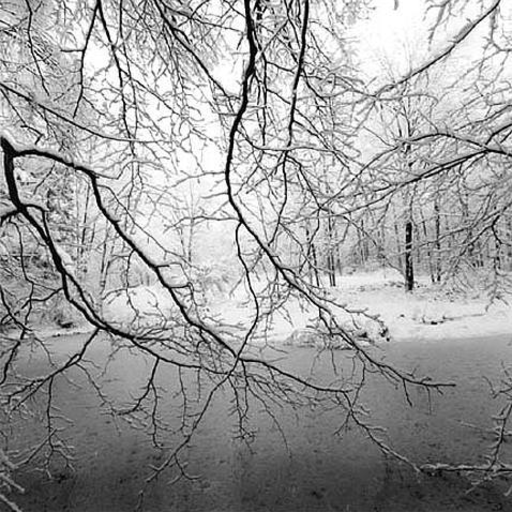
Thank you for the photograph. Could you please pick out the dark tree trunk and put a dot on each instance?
(497, 254)
(363, 244)
(428, 248)
(438, 269)
(331, 254)
(332, 269)
(312, 262)
(409, 266)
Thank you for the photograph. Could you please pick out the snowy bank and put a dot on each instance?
(429, 312)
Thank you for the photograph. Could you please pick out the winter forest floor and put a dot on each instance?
(430, 312)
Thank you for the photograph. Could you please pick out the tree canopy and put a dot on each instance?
(171, 156)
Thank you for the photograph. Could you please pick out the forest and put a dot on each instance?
(187, 187)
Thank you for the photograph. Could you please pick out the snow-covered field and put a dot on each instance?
(430, 312)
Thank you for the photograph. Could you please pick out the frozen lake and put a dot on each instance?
(315, 470)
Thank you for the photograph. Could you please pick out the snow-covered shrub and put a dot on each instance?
(370, 332)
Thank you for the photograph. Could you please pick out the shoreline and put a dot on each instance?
(430, 313)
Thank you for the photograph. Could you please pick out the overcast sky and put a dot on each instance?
(392, 36)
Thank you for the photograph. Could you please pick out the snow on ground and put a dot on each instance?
(428, 313)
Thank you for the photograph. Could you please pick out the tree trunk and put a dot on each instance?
(409, 266)
(437, 221)
(363, 244)
(398, 246)
(312, 262)
(331, 259)
(428, 248)
(497, 254)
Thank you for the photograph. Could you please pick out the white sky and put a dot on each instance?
(392, 37)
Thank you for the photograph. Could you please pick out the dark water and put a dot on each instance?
(315, 470)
